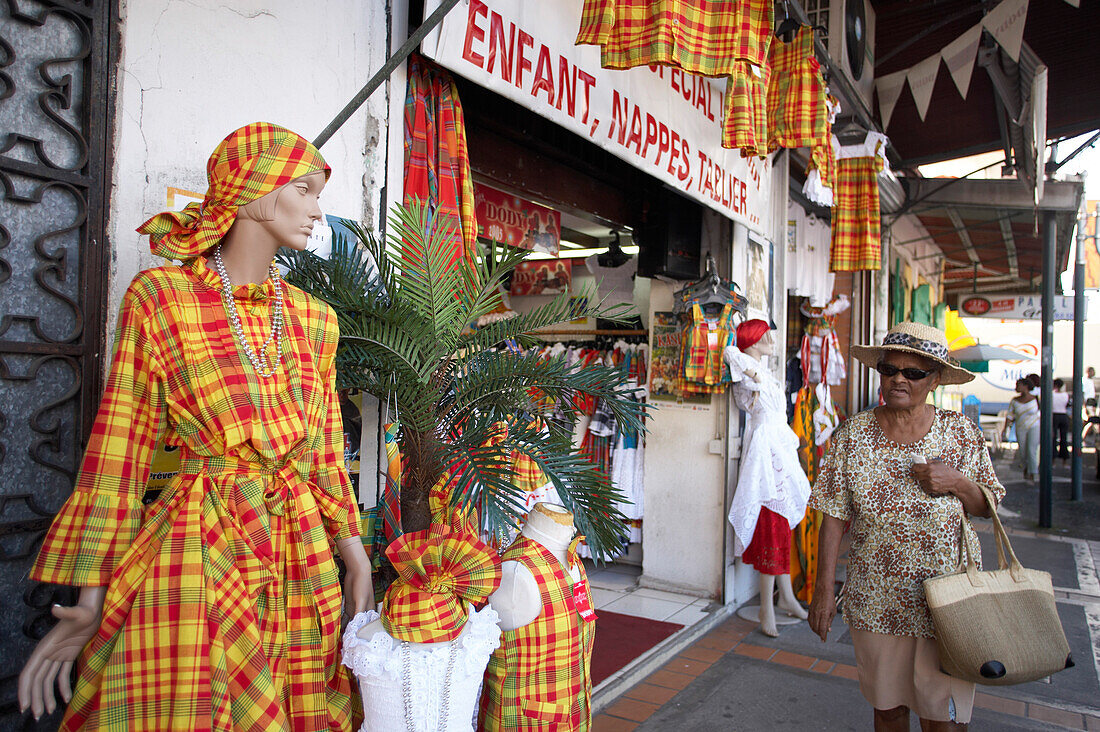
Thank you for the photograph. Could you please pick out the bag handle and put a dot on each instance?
(1006, 556)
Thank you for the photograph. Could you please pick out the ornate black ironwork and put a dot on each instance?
(55, 62)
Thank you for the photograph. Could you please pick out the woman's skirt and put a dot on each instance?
(899, 670)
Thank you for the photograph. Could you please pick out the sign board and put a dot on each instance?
(1008, 306)
(660, 120)
(541, 277)
(515, 221)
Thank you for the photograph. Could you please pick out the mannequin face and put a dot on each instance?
(290, 220)
(765, 346)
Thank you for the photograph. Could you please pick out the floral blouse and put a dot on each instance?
(900, 535)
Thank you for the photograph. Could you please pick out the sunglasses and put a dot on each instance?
(911, 374)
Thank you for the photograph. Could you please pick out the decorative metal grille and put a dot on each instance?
(54, 110)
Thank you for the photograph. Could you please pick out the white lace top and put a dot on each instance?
(380, 663)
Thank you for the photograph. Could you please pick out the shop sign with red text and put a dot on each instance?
(661, 120)
(1008, 306)
(515, 221)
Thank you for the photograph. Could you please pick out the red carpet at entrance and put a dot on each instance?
(622, 638)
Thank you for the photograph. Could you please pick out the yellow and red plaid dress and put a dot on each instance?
(797, 109)
(223, 603)
(856, 223)
(539, 680)
(704, 37)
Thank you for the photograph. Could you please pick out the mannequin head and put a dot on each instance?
(286, 214)
(754, 338)
(550, 525)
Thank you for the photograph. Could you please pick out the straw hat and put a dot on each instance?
(921, 340)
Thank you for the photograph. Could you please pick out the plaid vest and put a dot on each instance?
(539, 679)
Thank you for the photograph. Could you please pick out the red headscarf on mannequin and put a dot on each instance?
(751, 331)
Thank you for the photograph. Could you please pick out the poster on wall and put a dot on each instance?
(756, 287)
(664, 368)
(661, 120)
(541, 277)
(515, 221)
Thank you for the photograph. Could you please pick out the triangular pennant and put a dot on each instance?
(922, 79)
(1074, 3)
(889, 89)
(959, 55)
(1006, 23)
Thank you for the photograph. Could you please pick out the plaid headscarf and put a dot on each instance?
(439, 573)
(248, 164)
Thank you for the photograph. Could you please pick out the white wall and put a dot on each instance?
(192, 71)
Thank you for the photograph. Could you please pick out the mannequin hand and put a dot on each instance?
(358, 585)
(53, 657)
(822, 611)
(936, 478)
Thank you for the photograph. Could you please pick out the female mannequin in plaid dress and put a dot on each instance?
(217, 606)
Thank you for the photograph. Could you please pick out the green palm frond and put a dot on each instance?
(423, 244)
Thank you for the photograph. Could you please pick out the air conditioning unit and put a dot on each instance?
(851, 43)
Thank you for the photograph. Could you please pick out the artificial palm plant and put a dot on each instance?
(466, 405)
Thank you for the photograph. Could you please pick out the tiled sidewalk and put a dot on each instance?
(660, 688)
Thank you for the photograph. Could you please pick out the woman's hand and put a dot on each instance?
(358, 585)
(822, 612)
(937, 478)
(53, 658)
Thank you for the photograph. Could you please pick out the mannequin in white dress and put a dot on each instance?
(429, 686)
(770, 475)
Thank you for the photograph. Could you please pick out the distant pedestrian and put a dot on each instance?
(1035, 382)
(1088, 384)
(906, 515)
(1023, 411)
(1060, 409)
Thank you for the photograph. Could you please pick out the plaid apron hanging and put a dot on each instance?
(856, 242)
(797, 109)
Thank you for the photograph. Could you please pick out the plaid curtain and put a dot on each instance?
(856, 243)
(437, 163)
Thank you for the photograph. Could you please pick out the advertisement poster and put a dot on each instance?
(664, 368)
(515, 221)
(1008, 306)
(542, 277)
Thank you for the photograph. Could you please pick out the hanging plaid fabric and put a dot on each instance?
(821, 172)
(704, 37)
(437, 164)
(745, 122)
(390, 505)
(856, 243)
(797, 108)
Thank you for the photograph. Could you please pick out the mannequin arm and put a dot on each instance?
(358, 585)
(53, 657)
(517, 601)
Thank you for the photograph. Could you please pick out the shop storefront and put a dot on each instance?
(631, 164)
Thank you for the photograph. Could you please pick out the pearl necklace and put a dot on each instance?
(259, 361)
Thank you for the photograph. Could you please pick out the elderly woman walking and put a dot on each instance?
(907, 475)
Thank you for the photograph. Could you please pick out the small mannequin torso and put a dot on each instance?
(518, 600)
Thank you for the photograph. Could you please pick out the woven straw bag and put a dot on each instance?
(999, 627)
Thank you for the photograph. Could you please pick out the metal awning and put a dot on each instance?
(989, 231)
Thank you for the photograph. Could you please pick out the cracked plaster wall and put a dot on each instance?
(191, 71)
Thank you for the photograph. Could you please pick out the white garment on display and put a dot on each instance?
(440, 675)
(616, 284)
(818, 237)
(770, 474)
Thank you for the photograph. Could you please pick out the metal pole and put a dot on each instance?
(1046, 417)
(383, 73)
(1078, 358)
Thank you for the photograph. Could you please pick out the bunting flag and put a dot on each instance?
(959, 56)
(1006, 23)
(922, 80)
(889, 89)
